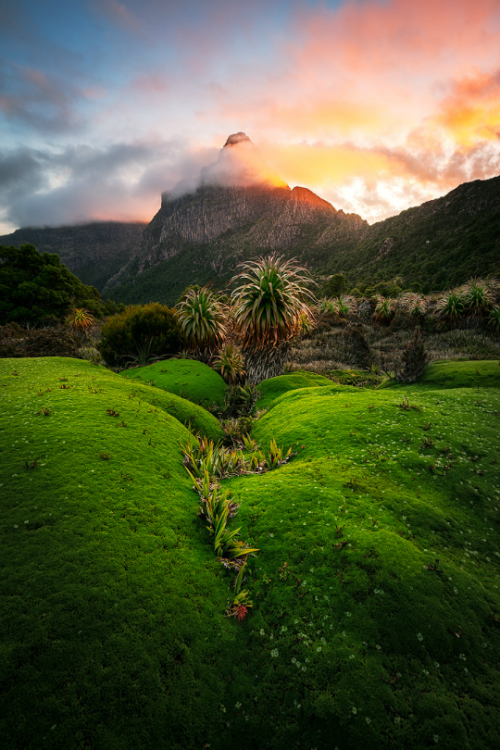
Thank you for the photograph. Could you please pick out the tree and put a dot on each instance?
(268, 309)
(35, 287)
(201, 317)
(335, 286)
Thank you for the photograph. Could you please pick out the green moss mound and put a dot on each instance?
(188, 378)
(109, 587)
(272, 388)
(455, 374)
(387, 519)
(376, 591)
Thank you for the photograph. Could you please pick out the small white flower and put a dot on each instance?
(16, 526)
(420, 636)
(238, 705)
(354, 710)
(436, 738)
(318, 649)
(436, 664)
(275, 653)
(368, 720)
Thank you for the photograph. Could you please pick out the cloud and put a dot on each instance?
(471, 111)
(43, 102)
(120, 182)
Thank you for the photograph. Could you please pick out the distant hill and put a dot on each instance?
(439, 244)
(94, 252)
(239, 209)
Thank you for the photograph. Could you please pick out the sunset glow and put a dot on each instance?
(376, 106)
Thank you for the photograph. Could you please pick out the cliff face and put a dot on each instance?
(94, 252)
(239, 209)
(236, 218)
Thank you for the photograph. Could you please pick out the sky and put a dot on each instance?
(375, 105)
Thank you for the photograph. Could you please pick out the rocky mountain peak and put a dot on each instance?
(240, 164)
(236, 138)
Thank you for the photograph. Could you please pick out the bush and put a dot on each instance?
(45, 342)
(140, 331)
(413, 359)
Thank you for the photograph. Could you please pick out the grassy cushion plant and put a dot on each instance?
(273, 387)
(188, 378)
(376, 590)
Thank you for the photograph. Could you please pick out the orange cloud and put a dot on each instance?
(471, 112)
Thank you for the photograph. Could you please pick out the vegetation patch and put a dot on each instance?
(273, 387)
(455, 374)
(375, 592)
(188, 378)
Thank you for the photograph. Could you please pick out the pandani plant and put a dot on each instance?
(269, 308)
(201, 317)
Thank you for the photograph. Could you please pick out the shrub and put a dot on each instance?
(413, 359)
(335, 286)
(148, 328)
(46, 342)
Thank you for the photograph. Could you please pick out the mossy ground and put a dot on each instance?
(188, 378)
(455, 374)
(270, 389)
(113, 633)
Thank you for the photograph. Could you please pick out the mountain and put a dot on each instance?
(437, 245)
(238, 209)
(94, 252)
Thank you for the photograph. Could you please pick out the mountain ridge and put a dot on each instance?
(200, 235)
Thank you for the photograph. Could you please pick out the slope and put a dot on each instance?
(93, 251)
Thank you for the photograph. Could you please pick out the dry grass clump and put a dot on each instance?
(463, 343)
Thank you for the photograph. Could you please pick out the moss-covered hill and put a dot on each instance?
(376, 591)
(188, 378)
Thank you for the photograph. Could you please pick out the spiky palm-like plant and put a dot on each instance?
(201, 317)
(384, 310)
(229, 363)
(268, 309)
(451, 306)
(80, 320)
(478, 297)
(494, 318)
(413, 304)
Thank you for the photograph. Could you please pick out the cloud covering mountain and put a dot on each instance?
(376, 105)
